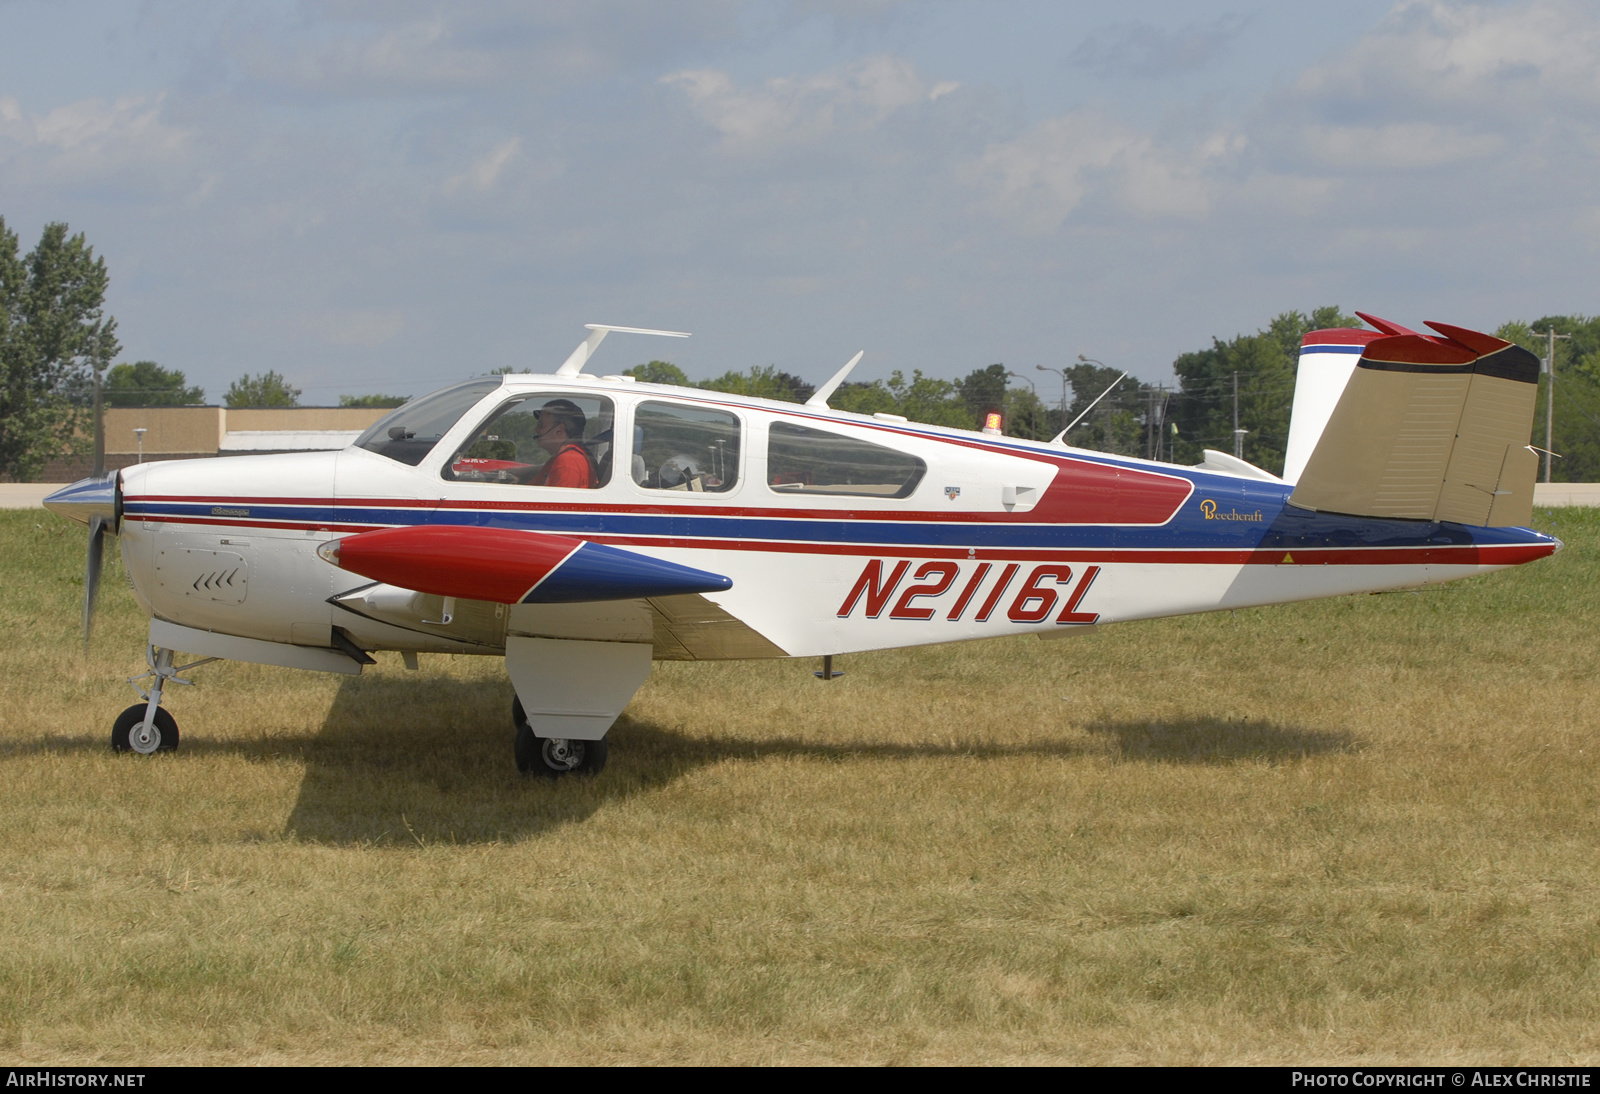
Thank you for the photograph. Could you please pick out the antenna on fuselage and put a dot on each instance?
(820, 396)
(1061, 438)
(597, 334)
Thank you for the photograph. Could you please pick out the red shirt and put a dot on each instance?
(569, 467)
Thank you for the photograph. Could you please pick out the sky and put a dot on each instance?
(387, 197)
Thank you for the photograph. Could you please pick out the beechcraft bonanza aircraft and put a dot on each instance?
(582, 527)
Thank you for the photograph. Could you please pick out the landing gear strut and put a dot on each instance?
(147, 727)
(553, 756)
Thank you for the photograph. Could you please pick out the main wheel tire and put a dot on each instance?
(559, 756)
(123, 727)
(553, 756)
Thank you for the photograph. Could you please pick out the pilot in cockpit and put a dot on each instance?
(560, 433)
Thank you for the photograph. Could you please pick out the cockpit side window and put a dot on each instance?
(410, 432)
(542, 438)
(692, 448)
(801, 460)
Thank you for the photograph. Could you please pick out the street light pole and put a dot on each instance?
(1550, 399)
(1063, 374)
(1238, 434)
(1105, 431)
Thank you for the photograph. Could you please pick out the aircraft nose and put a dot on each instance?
(89, 498)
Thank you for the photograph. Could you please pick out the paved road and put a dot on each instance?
(25, 495)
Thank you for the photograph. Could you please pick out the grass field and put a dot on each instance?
(1362, 829)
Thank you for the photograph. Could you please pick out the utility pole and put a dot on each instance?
(1161, 422)
(1550, 398)
(1061, 372)
(1150, 425)
(1238, 434)
(95, 365)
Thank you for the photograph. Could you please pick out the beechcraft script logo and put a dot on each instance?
(934, 590)
(1208, 509)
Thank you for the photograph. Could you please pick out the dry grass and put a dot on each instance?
(1358, 830)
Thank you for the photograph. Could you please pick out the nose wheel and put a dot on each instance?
(130, 733)
(148, 727)
(553, 756)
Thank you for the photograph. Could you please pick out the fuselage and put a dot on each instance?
(840, 532)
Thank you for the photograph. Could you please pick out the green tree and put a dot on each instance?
(145, 383)
(1265, 363)
(925, 399)
(373, 400)
(659, 372)
(1576, 436)
(864, 397)
(761, 382)
(983, 390)
(1027, 416)
(54, 339)
(267, 390)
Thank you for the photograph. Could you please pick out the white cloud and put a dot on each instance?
(1137, 48)
(418, 55)
(485, 172)
(1397, 146)
(1040, 178)
(86, 141)
(852, 98)
(1429, 54)
(407, 47)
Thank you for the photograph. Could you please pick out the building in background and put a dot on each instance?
(191, 432)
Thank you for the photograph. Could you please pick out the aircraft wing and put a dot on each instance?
(1430, 428)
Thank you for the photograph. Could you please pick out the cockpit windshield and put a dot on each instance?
(410, 433)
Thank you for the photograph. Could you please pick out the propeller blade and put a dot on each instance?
(91, 575)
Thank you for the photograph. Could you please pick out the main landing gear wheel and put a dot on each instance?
(128, 732)
(554, 756)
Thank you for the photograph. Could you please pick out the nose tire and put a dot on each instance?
(122, 729)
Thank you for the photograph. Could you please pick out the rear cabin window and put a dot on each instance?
(690, 448)
(540, 439)
(801, 460)
(410, 432)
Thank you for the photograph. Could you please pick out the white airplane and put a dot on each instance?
(582, 527)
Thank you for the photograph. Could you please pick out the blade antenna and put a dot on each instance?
(1061, 438)
(597, 334)
(819, 398)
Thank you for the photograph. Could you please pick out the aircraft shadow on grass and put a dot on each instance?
(401, 761)
(1219, 741)
(441, 771)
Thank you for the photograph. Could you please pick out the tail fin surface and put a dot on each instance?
(1423, 427)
